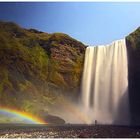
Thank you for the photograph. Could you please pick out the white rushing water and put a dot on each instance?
(105, 84)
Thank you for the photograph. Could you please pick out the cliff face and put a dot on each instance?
(133, 49)
(37, 68)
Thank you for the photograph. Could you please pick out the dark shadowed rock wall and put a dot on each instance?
(133, 48)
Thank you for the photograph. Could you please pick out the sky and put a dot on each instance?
(93, 23)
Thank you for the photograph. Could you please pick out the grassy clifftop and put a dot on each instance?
(37, 67)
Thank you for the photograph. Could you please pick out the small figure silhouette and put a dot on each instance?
(95, 122)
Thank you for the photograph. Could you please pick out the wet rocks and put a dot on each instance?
(72, 131)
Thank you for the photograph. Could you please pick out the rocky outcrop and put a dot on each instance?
(50, 119)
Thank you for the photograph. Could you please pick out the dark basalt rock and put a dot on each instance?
(50, 119)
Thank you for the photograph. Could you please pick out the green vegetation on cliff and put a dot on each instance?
(133, 39)
(37, 67)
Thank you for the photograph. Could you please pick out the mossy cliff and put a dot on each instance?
(37, 68)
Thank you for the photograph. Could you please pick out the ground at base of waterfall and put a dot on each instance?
(69, 131)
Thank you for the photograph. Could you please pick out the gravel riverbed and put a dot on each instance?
(70, 131)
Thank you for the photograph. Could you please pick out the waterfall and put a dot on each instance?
(105, 84)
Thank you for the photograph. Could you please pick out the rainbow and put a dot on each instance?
(22, 115)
